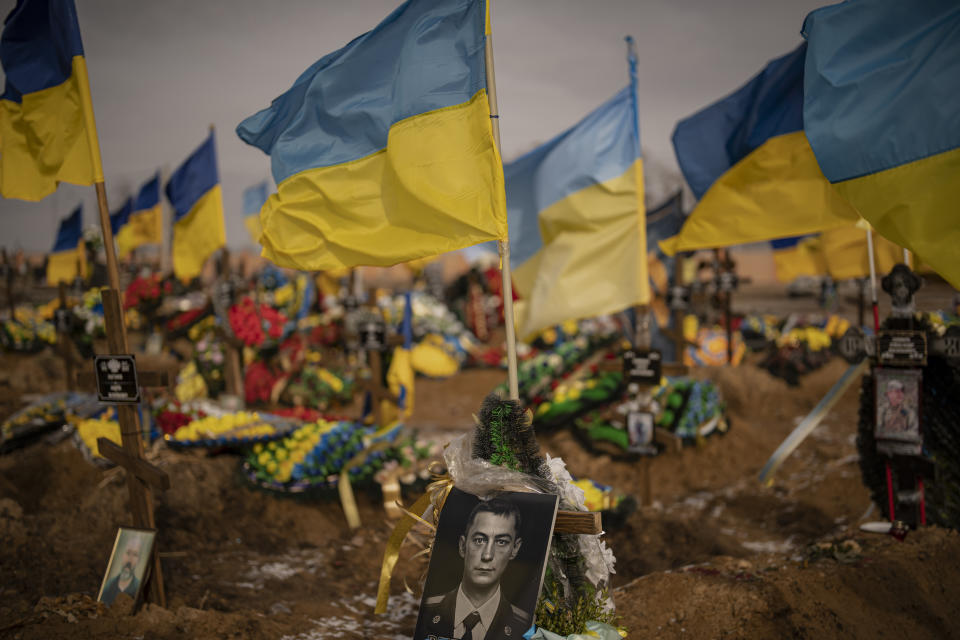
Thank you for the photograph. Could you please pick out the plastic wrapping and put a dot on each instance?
(595, 631)
(481, 478)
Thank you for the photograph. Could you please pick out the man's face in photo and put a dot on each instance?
(130, 558)
(487, 548)
(894, 396)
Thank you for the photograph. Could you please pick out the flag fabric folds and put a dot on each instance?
(577, 230)
(253, 199)
(383, 151)
(197, 200)
(748, 162)
(882, 112)
(47, 130)
(796, 257)
(840, 253)
(140, 220)
(68, 258)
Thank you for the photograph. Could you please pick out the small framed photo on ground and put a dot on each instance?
(898, 411)
(128, 565)
(639, 431)
(487, 566)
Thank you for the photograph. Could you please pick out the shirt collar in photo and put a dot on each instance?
(487, 612)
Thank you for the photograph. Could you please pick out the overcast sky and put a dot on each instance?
(162, 72)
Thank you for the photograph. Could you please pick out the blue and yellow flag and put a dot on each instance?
(139, 221)
(577, 228)
(47, 131)
(197, 200)
(383, 151)
(882, 112)
(840, 253)
(798, 256)
(253, 199)
(68, 258)
(748, 162)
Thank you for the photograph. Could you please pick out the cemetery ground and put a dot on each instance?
(715, 554)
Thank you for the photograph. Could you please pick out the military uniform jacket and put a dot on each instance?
(510, 623)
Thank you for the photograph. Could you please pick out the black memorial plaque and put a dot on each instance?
(947, 345)
(642, 367)
(902, 348)
(728, 281)
(678, 298)
(62, 320)
(373, 335)
(117, 379)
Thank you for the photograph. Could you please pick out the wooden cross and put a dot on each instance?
(374, 385)
(233, 367)
(63, 339)
(8, 272)
(140, 479)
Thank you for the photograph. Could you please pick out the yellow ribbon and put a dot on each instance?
(436, 494)
(345, 489)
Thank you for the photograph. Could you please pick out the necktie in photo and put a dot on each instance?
(469, 623)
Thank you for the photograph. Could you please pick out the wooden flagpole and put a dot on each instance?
(141, 498)
(503, 245)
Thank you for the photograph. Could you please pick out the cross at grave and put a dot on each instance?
(62, 319)
(678, 301)
(374, 385)
(371, 337)
(222, 299)
(142, 477)
(8, 274)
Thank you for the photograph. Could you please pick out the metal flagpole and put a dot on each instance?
(503, 245)
(873, 281)
(642, 337)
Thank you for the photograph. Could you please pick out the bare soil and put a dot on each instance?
(715, 554)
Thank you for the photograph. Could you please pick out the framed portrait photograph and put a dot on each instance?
(639, 431)
(128, 565)
(897, 396)
(487, 566)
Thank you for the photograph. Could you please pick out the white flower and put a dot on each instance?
(598, 559)
(569, 492)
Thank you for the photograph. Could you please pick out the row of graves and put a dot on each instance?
(308, 386)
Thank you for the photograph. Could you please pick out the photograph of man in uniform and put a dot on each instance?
(478, 608)
(897, 409)
(127, 565)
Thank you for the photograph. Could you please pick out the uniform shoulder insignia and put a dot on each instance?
(517, 611)
(435, 600)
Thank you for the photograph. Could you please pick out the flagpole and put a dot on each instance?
(503, 245)
(642, 338)
(873, 281)
(141, 499)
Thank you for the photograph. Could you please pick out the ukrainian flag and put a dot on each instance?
(383, 151)
(797, 256)
(197, 200)
(882, 112)
(140, 220)
(841, 253)
(845, 254)
(253, 199)
(120, 217)
(748, 162)
(68, 259)
(47, 131)
(577, 220)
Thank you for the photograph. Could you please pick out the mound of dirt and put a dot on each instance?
(714, 554)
